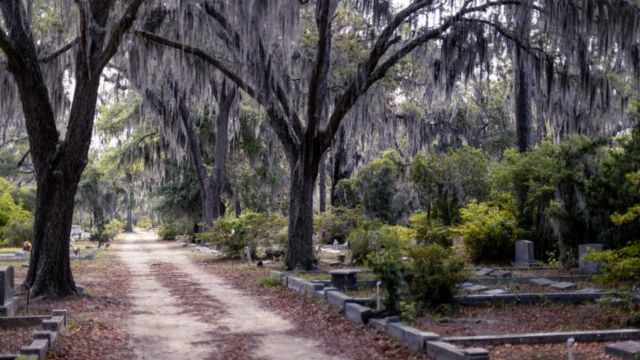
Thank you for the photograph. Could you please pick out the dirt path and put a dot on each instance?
(182, 312)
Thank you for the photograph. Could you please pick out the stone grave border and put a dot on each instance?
(359, 310)
(43, 339)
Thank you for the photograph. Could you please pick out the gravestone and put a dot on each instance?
(8, 303)
(524, 253)
(345, 279)
(589, 266)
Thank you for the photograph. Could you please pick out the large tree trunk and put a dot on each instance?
(304, 171)
(49, 266)
(523, 113)
(225, 102)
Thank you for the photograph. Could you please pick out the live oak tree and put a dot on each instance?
(306, 136)
(59, 161)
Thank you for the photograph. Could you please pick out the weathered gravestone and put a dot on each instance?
(8, 303)
(345, 279)
(524, 253)
(583, 264)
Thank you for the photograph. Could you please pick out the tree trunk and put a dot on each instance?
(522, 96)
(129, 226)
(49, 267)
(225, 101)
(304, 171)
(322, 186)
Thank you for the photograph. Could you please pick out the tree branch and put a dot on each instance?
(125, 22)
(62, 50)
(276, 118)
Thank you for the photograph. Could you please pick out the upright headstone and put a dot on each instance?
(8, 303)
(524, 253)
(583, 264)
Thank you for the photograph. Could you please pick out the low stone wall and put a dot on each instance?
(43, 339)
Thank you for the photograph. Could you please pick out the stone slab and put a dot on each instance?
(589, 266)
(547, 338)
(14, 322)
(50, 336)
(465, 285)
(588, 290)
(411, 337)
(381, 324)
(565, 285)
(61, 312)
(530, 298)
(345, 278)
(9, 308)
(6, 285)
(627, 350)
(476, 288)
(56, 323)
(527, 279)
(483, 272)
(440, 350)
(357, 313)
(524, 252)
(337, 299)
(8, 356)
(494, 292)
(501, 273)
(542, 281)
(37, 348)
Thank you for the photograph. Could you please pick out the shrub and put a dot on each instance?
(433, 274)
(18, 230)
(620, 266)
(376, 183)
(387, 265)
(488, 231)
(112, 229)
(262, 232)
(4, 244)
(337, 223)
(167, 231)
(346, 193)
(144, 222)
(430, 231)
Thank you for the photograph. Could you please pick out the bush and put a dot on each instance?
(618, 266)
(433, 274)
(18, 230)
(144, 222)
(4, 244)
(337, 223)
(260, 231)
(387, 265)
(376, 183)
(112, 229)
(346, 193)
(370, 236)
(167, 231)
(430, 231)
(488, 231)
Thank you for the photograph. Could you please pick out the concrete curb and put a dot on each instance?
(547, 338)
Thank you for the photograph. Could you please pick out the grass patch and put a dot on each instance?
(9, 250)
(270, 281)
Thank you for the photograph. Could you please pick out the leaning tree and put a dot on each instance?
(59, 160)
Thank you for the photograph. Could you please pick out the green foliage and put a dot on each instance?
(346, 193)
(167, 231)
(112, 229)
(387, 265)
(259, 231)
(433, 274)
(430, 231)
(144, 222)
(620, 266)
(16, 223)
(372, 236)
(336, 223)
(447, 181)
(270, 281)
(19, 230)
(113, 116)
(376, 186)
(488, 231)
